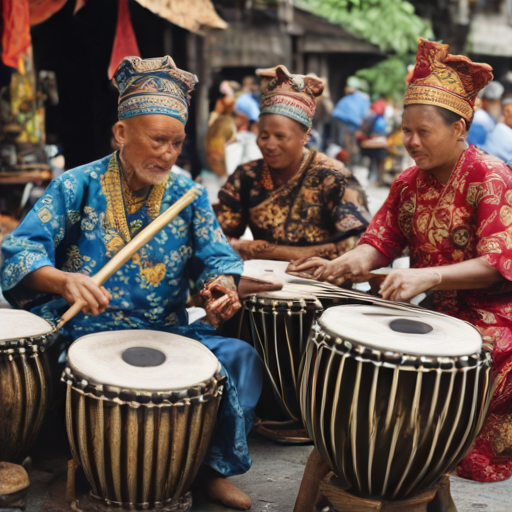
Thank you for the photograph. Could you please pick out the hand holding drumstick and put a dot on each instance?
(74, 288)
(132, 247)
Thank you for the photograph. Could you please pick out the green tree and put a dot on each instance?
(388, 77)
(392, 25)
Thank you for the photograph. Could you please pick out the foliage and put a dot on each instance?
(392, 25)
(387, 78)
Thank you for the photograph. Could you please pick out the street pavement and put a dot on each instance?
(274, 479)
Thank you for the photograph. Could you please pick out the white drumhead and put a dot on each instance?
(98, 358)
(275, 272)
(285, 295)
(17, 324)
(374, 327)
(267, 270)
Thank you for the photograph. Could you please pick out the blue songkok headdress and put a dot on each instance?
(153, 86)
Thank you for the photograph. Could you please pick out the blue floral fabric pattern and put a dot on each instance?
(81, 222)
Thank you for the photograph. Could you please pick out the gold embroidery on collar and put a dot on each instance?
(118, 233)
(132, 202)
(155, 199)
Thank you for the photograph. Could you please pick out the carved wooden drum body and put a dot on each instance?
(141, 407)
(279, 327)
(23, 381)
(393, 398)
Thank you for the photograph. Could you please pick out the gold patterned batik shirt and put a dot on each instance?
(323, 202)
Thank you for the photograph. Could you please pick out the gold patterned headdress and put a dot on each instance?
(444, 80)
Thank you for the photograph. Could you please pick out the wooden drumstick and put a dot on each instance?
(132, 247)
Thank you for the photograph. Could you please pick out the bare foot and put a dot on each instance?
(219, 488)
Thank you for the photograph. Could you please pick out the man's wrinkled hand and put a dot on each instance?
(221, 299)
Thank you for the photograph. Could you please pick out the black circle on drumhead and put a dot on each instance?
(410, 326)
(143, 356)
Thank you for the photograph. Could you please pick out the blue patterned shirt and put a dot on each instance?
(82, 220)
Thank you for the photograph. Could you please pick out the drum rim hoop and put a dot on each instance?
(269, 301)
(34, 342)
(396, 359)
(207, 391)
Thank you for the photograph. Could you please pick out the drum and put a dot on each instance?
(141, 407)
(278, 325)
(393, 398)
(23, 381)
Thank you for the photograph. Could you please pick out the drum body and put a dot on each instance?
(278, 326)
(141, 448)
(23, 381)
(391, 424)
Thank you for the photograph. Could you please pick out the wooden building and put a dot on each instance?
(215, 39)
(267, 33)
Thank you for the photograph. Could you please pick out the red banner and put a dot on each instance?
(125, 43)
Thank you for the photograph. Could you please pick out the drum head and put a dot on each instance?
(283, 295)
(17, 324)
(407, 332)
(142, 360)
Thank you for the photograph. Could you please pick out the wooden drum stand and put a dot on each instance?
(343, 501)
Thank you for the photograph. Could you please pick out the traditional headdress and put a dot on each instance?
(289, 95)
(153, 86)
(448, 81)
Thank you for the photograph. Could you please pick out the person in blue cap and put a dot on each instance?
(348, 115)
(487, 117)
(247, 111)
(89, 213)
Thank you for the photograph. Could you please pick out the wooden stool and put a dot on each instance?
(344, 502)
(287, 432)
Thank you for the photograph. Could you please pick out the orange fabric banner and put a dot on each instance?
(16, 35)
(41, 10)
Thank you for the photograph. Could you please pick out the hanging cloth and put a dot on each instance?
(16, 34)
(125, 42)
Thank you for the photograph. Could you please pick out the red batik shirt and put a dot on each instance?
(468, 217)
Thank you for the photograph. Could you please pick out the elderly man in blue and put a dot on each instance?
(89, 213)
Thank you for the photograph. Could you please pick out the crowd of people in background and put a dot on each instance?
(358, 130)
(355, 131)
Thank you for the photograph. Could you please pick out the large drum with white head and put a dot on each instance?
(141, 407)
(393, 398)
(23, 381)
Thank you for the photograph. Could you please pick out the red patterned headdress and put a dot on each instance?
(448, 81)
